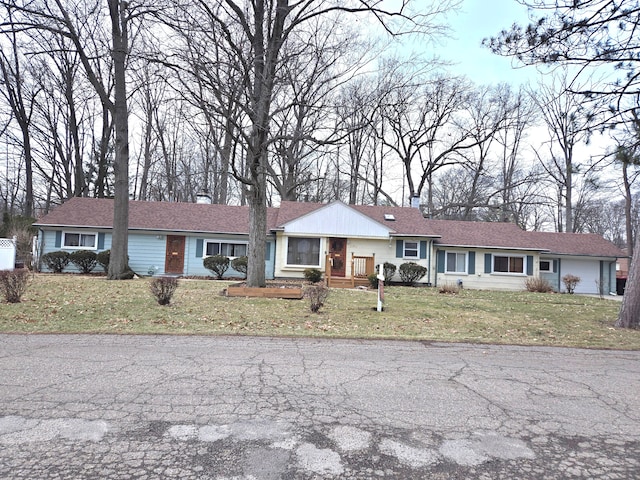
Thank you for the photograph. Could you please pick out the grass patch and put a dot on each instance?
(90, 304)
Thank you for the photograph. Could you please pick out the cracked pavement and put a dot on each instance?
(144, 407)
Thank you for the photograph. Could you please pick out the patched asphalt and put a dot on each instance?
(147, 407)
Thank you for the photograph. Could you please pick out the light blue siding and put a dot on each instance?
(608, 270)
(193, 263)
(47, 243)
(147, 252)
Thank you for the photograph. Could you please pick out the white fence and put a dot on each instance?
(7, 253)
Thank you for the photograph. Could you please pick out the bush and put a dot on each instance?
(313, 275)
(24, 237)
(538, 285)
(389, 270)
(103, 259)
(217, 264)
(85, 260)
(13, 284)
(317, 293)
(163, 288)
(56, 261)
(411, 272)
(570, 282)
(449, 288)
(240, 265)
(373, 280)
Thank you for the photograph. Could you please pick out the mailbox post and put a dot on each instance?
(380, 287)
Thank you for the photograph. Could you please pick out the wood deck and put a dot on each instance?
(361, 266)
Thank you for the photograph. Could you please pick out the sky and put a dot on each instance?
(478, 19)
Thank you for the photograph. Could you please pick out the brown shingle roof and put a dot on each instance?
(590, 244)
(167, 216)
(510, 236)
(477, 234)
(191, 217)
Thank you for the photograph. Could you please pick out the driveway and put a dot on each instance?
(145, 407)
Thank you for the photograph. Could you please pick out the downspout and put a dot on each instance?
(37, 263)
(272, 254)
(435, 277)
(559, 275)
(430, 246)
(601, 282)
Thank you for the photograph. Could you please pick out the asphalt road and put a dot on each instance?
(145, 407)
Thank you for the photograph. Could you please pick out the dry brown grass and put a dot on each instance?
(90, 304)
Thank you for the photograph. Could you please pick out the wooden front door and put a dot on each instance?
(338, 255)
(174, 262)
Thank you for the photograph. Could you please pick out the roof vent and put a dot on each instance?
(389, 217)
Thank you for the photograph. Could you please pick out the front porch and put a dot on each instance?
(361, 268)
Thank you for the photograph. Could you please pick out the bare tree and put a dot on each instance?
(568, 122)
(16, 92)
(253, 34)
(421, 129)
(79, 22)
(589, 34)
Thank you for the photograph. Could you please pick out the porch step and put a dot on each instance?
(341, 282)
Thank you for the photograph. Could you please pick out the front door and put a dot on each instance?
(338, 255)
(174, 262)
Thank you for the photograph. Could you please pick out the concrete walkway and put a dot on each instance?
(144, 407)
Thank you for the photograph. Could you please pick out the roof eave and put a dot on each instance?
(492, 247)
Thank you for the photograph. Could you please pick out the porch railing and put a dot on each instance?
(361, 267)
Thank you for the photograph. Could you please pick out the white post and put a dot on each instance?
(380, 277)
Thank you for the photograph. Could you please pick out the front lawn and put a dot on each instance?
(89, 304)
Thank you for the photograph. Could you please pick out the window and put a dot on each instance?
(410, 250)
(456, 262)
(504, 264)
(546, 266)
(226, 249)
(79, 240)
(303, 251)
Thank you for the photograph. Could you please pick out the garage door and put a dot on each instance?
(588, 271)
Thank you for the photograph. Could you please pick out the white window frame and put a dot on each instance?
(63, 241)
(446, 262)
(305, 265)
(220, 243)
(405, 249)
(549, 270)
(524, 264)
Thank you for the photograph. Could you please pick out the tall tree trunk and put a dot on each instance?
(257, 196)
(629, 316)
(628, 200)
(101, 185)
(118, 261)
(569, 195)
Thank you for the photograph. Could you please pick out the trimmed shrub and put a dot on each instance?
(85, 260)
(56, 261)
(411, 272)
(217, 264)
(163, 288)
(570, 282)
(449, 288)
(13, 284)
(389, 270)
(240, 265)
(538, 285)
(373, 280)
(317, 293)
(313, 275)
(103, 259)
